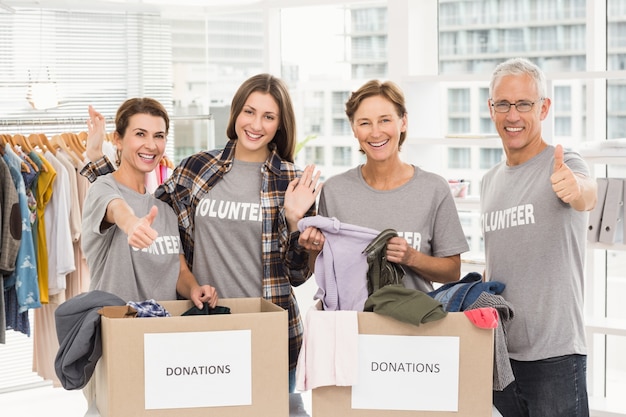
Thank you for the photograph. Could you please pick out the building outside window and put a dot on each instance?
(342, 156)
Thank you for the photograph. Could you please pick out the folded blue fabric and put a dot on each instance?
(458, 295)
(149, 308)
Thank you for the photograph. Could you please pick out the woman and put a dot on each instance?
(386, 192)
(238, 207)
(130, 239)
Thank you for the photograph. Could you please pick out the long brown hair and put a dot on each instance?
(285, 138)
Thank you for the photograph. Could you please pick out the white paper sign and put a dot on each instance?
(198, 369)
(407, 373)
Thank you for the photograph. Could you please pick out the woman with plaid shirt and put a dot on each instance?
(239, 231)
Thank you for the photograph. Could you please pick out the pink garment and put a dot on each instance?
(484, 317)
(151, 181)
(165, 172)
(329, 353)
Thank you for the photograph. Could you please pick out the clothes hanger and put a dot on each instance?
(8, 140)
(44, 139)
(60, 143)
(11, 140)
(25, 168)
(165, 161)
(35, 141)
(82, 138)
(71, 141)
(22, 148)
(20, 140)
(76, 144)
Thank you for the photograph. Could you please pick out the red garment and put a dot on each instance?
(484, 317)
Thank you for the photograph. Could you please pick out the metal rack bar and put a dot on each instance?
(56, 121)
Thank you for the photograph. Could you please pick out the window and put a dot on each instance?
(315, 155)
(339, 102)
(490, 157)
(48, 76)
(341, 127)
(458, 100)
(562, 98)
(459, 158)
(458, 125)
(342, 156)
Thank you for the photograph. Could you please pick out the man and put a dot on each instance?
(534, 220)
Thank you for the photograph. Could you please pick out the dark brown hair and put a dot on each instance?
(134, 106)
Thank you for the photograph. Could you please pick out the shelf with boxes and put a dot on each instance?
(607, 228)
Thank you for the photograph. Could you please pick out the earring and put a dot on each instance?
(118, 157)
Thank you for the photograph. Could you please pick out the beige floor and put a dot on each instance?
(57, 402)
(43, 401)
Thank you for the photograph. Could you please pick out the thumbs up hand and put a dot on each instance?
(564, 182)
(141, 234)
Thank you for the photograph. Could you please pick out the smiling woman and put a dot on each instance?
(388, 193)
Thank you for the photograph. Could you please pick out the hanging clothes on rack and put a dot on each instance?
(10, 232)
(61, 237)
(23, 281)
(58, 233)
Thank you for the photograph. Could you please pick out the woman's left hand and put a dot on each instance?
(301, 195)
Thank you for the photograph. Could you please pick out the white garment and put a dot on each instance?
(329, 353)
(58, 235)
(110, 151)
(74, 203)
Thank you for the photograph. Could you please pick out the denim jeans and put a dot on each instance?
(554, 387)
(292, 381)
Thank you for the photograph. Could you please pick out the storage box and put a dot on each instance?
(229, 365)
(419, 386)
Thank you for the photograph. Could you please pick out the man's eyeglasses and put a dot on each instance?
(521, 106)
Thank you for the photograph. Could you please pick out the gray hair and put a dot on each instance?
(520, 66)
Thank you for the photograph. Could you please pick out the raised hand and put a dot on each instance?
(301, 195)
(140, 232)
(96, 134)
(565, 183)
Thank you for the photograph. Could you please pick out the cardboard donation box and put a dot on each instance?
(227, 365)
(438, 369)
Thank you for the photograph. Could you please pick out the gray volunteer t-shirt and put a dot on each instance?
(228, 227)
(422, 211)
(535, 244)
(116, 267)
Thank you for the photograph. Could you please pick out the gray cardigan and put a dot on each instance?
(78, 330)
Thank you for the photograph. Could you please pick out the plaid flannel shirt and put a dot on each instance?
(285, 262)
